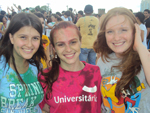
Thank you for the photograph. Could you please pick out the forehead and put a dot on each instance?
(27, 30)
(145, 12)
(66, 33)
(118, 20)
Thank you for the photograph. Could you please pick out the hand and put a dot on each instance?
(138, 39)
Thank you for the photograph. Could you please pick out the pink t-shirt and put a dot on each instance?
(75, 92)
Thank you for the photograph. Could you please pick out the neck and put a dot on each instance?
(88, 14)
(138, 22)
(147, 18)
(73, 67)
(21, 64)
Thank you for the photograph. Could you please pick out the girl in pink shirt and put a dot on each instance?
(70, 85)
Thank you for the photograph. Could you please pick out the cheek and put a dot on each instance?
(58, 49)
(36, 44)
(129, 37)
(108, 38)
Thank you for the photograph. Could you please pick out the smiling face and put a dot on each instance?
(67, 46)
(25, 42)
(119, 34)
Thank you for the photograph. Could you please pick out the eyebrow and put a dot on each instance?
(119, 28)
(64, 42)
(27, 35)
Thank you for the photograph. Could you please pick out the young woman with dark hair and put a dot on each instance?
(20, 52)
(124, 64)
(70, 86)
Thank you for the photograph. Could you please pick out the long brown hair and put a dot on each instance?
(6, 47)
(51, 76)
(130, 64)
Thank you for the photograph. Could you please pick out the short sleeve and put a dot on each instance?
(78, 22)
(148, 24)
(2, 66)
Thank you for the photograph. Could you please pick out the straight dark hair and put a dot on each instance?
(6, 48)
(140, 16)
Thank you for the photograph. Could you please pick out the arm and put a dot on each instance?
(15, 6)
(50, 27)
(8, 10)
(142, 35)
(46, 108)
(143, 53)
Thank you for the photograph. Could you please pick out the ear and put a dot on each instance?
(54, 49)
(11, 38)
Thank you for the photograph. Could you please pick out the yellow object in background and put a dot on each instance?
(46, 43)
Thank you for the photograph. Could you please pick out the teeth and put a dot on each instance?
(27, 50)
(69, 55)
(118, 44)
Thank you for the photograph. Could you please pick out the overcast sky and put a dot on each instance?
(60, 5)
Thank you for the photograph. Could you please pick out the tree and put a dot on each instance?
(45, 7)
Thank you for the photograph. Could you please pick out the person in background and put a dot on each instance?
(124, 64)
(67, 16)
(44, 14)
(27, 10)
(37, 9)
(10, 9)
(89, 29)
(59, 14)
(3, 13)
(72, 15)
(80, 14)
(62, 13)
(55, 19)
(70, 86)
(20, 53)
(2, 25)
(147, 24)
(46, 42)
(140, 19)
(19, 8)
(8, 21)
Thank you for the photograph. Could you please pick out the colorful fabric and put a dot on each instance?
(14, 98)
(45, 46)
(137, 102)
(75, 92)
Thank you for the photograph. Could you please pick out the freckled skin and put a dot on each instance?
(119, 31)
(67, 37)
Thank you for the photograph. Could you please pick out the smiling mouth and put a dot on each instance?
(118, 44)
(28, 50)
(69, 55)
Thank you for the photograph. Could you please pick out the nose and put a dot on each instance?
(117, 35)
(68, 49)
(29, 43)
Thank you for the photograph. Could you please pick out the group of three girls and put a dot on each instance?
(70, 85)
